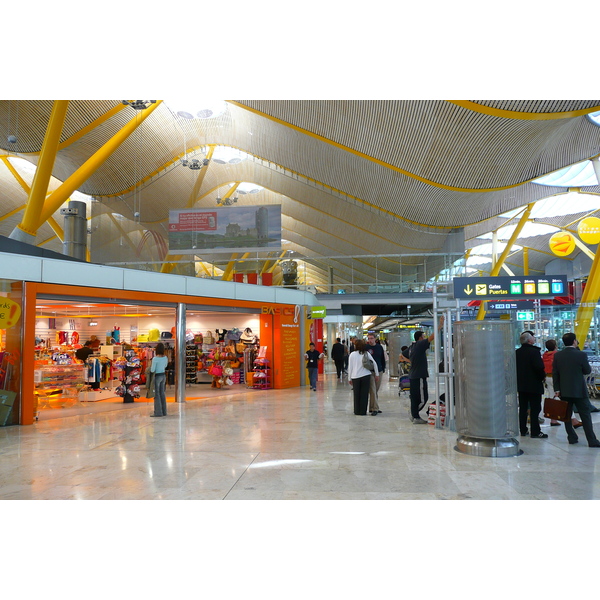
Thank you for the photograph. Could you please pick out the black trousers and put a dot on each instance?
(360, 387)
(416, 402)
(533, 403)
(583, 406)
(339, 366)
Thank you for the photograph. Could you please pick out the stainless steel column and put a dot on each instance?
(180, 367)
(486, 400)
(75, 227)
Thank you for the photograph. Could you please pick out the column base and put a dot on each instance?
(495, 448)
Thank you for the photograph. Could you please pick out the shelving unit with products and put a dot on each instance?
(57, 386)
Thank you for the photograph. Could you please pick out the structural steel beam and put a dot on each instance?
(72, 183)
(589, 300)
(27, 229)
(496, 268)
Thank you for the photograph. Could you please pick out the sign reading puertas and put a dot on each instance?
(510, 288)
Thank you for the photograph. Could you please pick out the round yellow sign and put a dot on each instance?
(589, 230)
(562, 244)
(10, 312)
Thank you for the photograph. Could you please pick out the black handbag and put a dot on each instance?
(557, 409)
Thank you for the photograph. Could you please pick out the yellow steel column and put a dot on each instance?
(496, 268)
(228, 274)
(589, 299)
(272, 267)
(60, 195)
(58, 230)
(26, 230)
(15, 174)
(525, 261)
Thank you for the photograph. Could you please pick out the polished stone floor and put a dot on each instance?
(279, 445)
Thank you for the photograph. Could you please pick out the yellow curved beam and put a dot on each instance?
(523, 116)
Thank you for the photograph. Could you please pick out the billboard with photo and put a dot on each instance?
(225, 229)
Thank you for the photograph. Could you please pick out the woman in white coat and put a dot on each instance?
(359, 375)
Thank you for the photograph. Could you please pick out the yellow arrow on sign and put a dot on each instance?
(468, 290)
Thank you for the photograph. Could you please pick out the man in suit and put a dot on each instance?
(531, 376)
(568, 375)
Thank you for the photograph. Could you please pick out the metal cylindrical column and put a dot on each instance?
(180, 353)
(75, 228)
(486, 403)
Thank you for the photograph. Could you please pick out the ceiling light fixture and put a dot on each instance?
(139, 104)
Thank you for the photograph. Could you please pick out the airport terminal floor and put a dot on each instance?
(292, 444)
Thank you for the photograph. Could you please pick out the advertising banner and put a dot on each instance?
(225, 229)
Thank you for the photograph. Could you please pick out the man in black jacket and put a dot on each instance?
(531, 376)
(337, 354)
(569, 369)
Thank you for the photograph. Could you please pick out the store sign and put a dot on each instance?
(562, 243)
(316, 312)
(230, 229)
(511, 288)
(10, 312)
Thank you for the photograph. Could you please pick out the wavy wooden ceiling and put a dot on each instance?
(353, 177)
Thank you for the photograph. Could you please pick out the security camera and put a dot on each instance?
(136, 214)
(12, 139)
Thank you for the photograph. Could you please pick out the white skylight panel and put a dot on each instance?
(581, 174)
(561, 205)
(529, 230)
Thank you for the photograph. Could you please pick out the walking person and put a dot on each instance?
(312, 357)
(346, 355)
(416, 353)
(158, 367)
(337, 354)
(568, 373)
(378, 353)
(359, 375)
(531, 376)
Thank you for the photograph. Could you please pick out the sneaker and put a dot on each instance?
(419, 421)
(526, 432)
(541, 420)
(540, 435)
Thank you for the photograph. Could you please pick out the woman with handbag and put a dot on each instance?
(360, 367)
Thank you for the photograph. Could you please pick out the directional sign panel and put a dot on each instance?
(508, 305)
(509, 288)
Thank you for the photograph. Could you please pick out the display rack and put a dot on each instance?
(261, 377)
(191, 362)
(57, 386)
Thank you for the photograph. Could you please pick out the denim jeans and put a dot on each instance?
(160, 398)
(312, 376)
